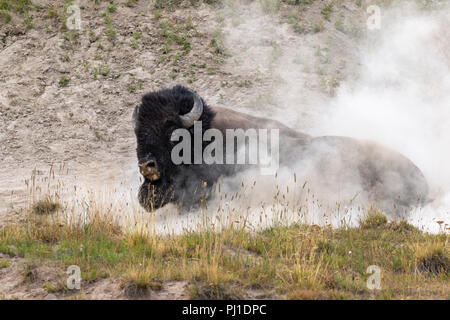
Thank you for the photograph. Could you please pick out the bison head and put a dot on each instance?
(154, 121)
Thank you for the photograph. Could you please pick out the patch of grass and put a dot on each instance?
(112, 8)
(54, 288)
(157, 14)
(98, 134)
(63, 81)
(110, 30)
(134, 43)
(60, 14)
(52, 12)
(134, 85)
(65, 57)
(433, 259)
(5, 16)
(28, 20)
(217, 42)
(71, 40)
(373, 219)
(138, 281)
(104, 70)
(297, 261)
(45, 206)
(15, 5)
(8, 8)
(4, 264)
(327, 10)
(178, 33)
(137, 35)
(403, 227)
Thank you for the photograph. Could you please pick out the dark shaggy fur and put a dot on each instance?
(158, 117)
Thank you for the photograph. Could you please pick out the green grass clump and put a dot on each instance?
(63, 81)
(21, 7)
(112, 8)
(4, 264)
(403, 227)
(373, 219)
(327, 10)
(177, 33)
(15, 5)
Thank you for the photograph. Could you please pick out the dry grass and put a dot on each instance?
(45, 206)
(294, 262)
(373, 219)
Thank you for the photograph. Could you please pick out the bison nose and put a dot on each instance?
(147, 164)
(149, 169)
(151, 164)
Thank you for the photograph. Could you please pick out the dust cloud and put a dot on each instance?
(397, 94)
(399, 97)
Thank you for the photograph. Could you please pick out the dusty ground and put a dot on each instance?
(66, 97)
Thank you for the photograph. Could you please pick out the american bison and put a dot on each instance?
(385, 175)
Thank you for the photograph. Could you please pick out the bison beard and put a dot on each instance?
(389, 178)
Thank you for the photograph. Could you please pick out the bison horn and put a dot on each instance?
(189, 118)
(134, 117)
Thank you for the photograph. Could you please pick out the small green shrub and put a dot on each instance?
(373, 219)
